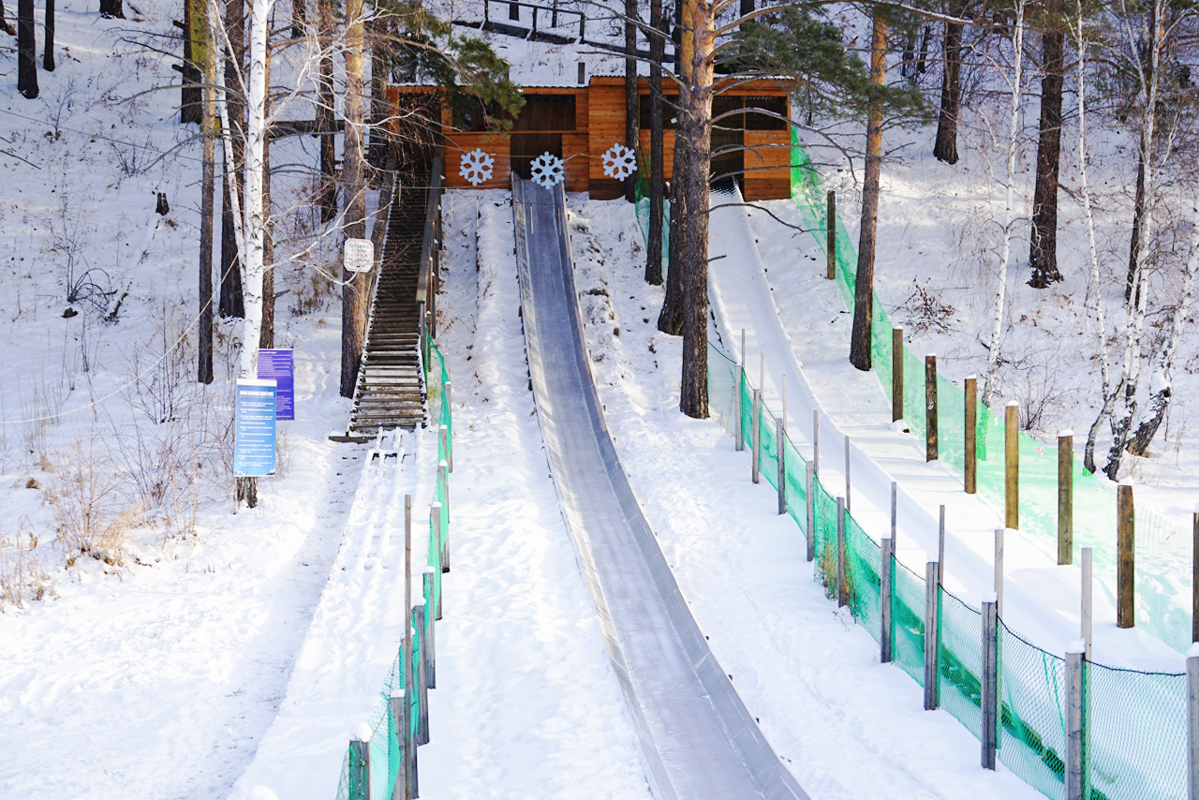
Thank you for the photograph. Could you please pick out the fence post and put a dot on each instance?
(442, 469)
(420, 684)
(990, 681)
(757, 435)
(999, 571)
(360, 765)
(428, 649)
(1065, 497)
(932, 635)
(1076, 722)
(780, 436)
(1195, 577)
(971, 432)
(1011, 464)
(848, 485)
(810, 485)
(842, 589)
(941, 549)
(449, 439)
(737, 433)
(831, 236)
(435, 518)
(400, 721)
(816, 439)
(930, 407)
(1193, 721)
(896, 374)
(1125, 556)
(1087, 589)
(886, 592)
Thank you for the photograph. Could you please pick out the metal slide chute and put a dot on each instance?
(698, 738)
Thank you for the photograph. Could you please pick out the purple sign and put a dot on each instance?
(277, 365)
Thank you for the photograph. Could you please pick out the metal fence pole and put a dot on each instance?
(810, 485)
(757, 436)
(442, 470)
(886, 591)
(816, 439)
(1087, 589)
(999, 571)
(360, 769)
(842, 589)
(1193, 721)
(1076, 723)
(932, 635)
(990, 681)
(738, 434)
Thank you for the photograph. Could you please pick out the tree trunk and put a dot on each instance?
(1138, 221)
(946, 147)
(632, 108)
(863, 301)
(1009, 211)
(232, 299)
(299, 18)
(657, 166)
(190, 101)
(48, 53)
(354, 290)
(26, 50)
(255, 168)
(110, 9)
(670, 319)
(204, 371)
(266, 336)
(1042, 255)
(327, 193)
(376, 139)
(695, 96)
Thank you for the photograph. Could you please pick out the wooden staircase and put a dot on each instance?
(390, 391)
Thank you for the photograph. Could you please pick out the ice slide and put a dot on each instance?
(698, 739)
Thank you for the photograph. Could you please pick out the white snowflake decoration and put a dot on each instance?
(619, 162)
(476, 167)
(547, 170)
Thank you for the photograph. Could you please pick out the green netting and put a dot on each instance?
(825, 538)
(1137, 725)
(343, 782)
(1032, 735)
(796, 492)
(960, 657)
(768, 444)
(862, 561)
(907, 647)
(722, 388)
(1161, 544)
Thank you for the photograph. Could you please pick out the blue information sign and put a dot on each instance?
(278, 365)
(254, 432)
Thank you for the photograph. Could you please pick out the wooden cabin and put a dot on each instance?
(579, 124)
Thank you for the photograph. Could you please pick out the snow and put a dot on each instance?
(206, 654)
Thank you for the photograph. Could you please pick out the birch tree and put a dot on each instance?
(1009, 214)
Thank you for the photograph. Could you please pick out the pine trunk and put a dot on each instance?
(354, 291)
(631, 105)
(863, 305)
(191, 101)
(26, 50)
(48, 53)
(657, 166)
(1042, 256)
(946, 146)
(327, 193)
(204, 371)
(232, 298)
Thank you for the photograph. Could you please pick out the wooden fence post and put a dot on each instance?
(756, 438)
(932, 635)
(816, 440)
(1076, 726)
(896, 374)
(407, 771)
(810, 485)
(930, 407)
(435, 517)
(1086, 616)
(1192, 671)
(1195, 576)
(1125, 556)
(1011, 464)
(1065, 497)
(428, 649)
(971, 432)
(780, 436)
(842, 589)
(990, 682)
(848, 485)
(831, 236)
(886, 592)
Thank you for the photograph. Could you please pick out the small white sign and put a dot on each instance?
(359, 255)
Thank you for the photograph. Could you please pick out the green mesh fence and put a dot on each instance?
(1161, 543)
(1135, 720)
(960, 662)
(384, 762)
(1032, 731)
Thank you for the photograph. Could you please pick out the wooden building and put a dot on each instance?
(579, 124)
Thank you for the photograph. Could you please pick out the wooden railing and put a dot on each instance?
(430, 258)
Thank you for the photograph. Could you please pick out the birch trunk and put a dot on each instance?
(254, 227)
(1009, 203)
